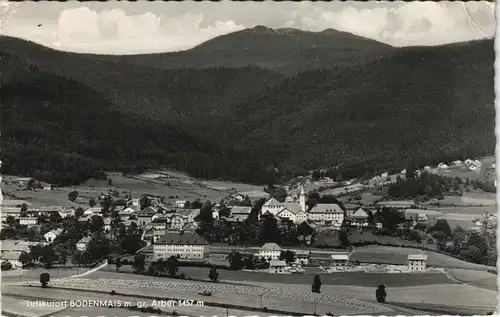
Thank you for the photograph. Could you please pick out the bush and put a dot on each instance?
(113, 292)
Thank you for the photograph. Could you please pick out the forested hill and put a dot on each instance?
(419, 106)
(61, 131)
(288, 51)
(410, 106)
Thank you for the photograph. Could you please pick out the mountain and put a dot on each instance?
(408, 106)
(61, 131)
(287, 51)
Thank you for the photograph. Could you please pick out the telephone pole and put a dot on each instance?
(314, 313)
(261, 301)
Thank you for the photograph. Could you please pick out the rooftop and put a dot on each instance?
(326, 208)
(182, 238)
(11, 255)
(84, 240)
(241, 210)
(340, 256)
(273, 202)
(277, 263)
(271, 247)
(417, 257)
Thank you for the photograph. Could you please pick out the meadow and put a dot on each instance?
(398, 255)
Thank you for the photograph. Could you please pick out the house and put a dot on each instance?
(490, 175)
(145, 218)
(215, 214)
(417, 262)
(52, 235)
(270, 251)
(473, 167)
(177, 221)
(339, 260)
(13, 258)
(239, 213)
(359, 218)
(45, 186)
(278, 267)
(84, 218)
(293, 215)
(127, 211)
(302, 257)
(457, 163)
(422, 215)
(107, 224)
(443, 166)
(184, 245)
(92, 211)
(272, 206)
(16, 245)
(67, 212)
(180, 203)
(127, 223)
(157, 234)
(134, 202)
(28, 221)
(82, 244)
(189, 215)
(326, 214)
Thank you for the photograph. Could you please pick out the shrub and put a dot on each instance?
(113, 292)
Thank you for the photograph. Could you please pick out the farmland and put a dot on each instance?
(172, 185)
(476, 278)
(397, 255)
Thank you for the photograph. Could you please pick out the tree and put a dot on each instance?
(6, 265)
(343, 238)
(96, 223)
(24, 210)
(234, 259)
(110, 182)
(118, 263)
(92, 202)
(213, 275)
(172, 265)
(316, 285)
(48, 256)
(249, 263)
(139, 263)
(442, 225)
(131, 243)
(98, 247)
(10, 220)
(25, 258)
(73, 195)
(144, 202)
(44, 279)
(380, 293)
(288, 256)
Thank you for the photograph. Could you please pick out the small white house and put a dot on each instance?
(302, 257)
(339, 261)
(13, 258)
(83, 243)
(52, 235)
(417, 262)
(443, 166)
(180, 203)
(473, 167)
(270, 251)
(278, 267)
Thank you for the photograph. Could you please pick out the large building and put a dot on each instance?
(339, 261)
(326, 214)
(184, 245)
(417, 262)
(270, 252)
(289, 211)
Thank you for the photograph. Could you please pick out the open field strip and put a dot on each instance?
(467, 296)
(397, 255)
(287, 298)
(16, 303)
(475, 278)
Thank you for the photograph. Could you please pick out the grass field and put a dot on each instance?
(397, 255)
(347, 278)
(357, 237)
(475, 278)
(171, 184)
(19, 275)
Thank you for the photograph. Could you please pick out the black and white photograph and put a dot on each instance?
(247, 159)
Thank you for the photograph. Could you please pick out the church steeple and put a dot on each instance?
(302, 200)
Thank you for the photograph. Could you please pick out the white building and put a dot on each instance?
(239, 213)
(302, 257)
(270, 251)
(359, 218)
(28, 221)
(326, 214)
(339, 261)
(278, 267)
(180, 203)
(13, 258)
(417, 262)
(134, 202)
(443, 166)
(274, 207)
(292, 214)
(183, 245)
(52, 235)
(83, 243)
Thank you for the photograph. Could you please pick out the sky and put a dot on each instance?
(147, 27)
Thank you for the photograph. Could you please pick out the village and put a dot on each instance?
(321, 227)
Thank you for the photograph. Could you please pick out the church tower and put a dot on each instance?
(302, 200)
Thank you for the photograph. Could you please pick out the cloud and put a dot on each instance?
(410, 23)
(97, 32)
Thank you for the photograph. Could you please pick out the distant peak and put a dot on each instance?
(262, 29)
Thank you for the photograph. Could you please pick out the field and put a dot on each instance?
(396, 255)
(19, 275)
(177, 186)
(356, 237)
(476, 278)
(287, 298)
(347, 278)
